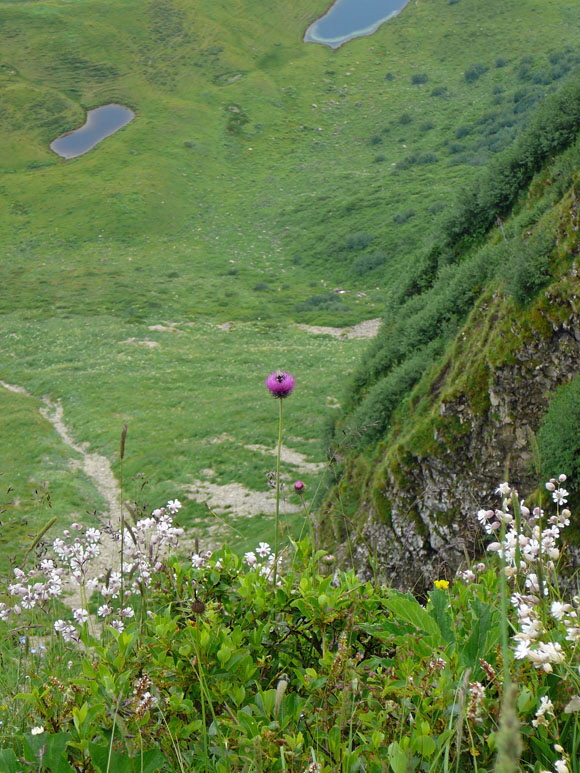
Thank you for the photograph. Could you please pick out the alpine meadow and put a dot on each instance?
(289, 389)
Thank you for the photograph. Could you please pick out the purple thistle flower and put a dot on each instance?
(280, 384)
(298, 486)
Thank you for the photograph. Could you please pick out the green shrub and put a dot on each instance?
(402, 217)
(367, 263)
(529, 269)
(474, 72)
(559, 435)
(327, 301)
(261, 287)
(419, 78)
(358, 241)
(463, 131)
(440, 91)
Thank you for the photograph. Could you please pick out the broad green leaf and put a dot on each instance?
(107, 760)
(408, 608)
(8, 761)
(440, 613)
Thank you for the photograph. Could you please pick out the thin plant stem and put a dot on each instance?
(277, 512)
(505, 650)
(122, 514)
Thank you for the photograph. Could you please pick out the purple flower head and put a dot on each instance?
(280, 384)
(298, 486)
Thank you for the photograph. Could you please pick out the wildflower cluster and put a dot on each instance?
(73, 561)
(263, 559)
(529, 550)
(149, 542)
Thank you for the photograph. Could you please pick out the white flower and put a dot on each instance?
(572, 705)
(197, 561)
(561, 766)
(522, 650)
(104, 610)
(562, 478)
(250, 558)
(80, 615)
(503, 489)
(263, 549)
(559, 496)
(558, 610)
(173, 506)
(37, 730)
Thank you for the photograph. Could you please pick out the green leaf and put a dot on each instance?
(423, 745)
(440, 613)
(408, 608)
(397, 758)
(483, 636)
(8, 761)
(106, 760)
(153, 760)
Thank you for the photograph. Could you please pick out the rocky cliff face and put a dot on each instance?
(417, 518)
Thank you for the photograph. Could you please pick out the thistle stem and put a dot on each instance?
(277, 512)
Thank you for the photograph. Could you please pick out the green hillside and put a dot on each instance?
(450, 396)
(259, 176)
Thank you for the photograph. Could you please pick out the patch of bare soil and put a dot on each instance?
(367, 329)
(235, 499)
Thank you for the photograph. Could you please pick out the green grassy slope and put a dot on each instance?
(260, 174)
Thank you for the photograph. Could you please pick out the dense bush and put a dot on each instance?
(559, 434)
(418, 79)
(359, 240)
(474, 72)
(367, 263)
(529, 269)
(402, 217)
(321, 302)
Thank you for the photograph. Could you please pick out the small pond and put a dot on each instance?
(348, 19)
(100, 123)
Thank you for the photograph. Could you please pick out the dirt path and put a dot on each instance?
(98, 469)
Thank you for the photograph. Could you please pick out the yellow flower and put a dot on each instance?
(442, 584)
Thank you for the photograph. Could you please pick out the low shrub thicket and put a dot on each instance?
(220, 664)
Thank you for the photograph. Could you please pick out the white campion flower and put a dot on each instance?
(551, 485)
(546, 707)
(39, 730)
(503, 489)
(558, 609)
(263, 549)
(561, 766)
(174, 505)
(559, 496)
(104, 610)
(573, 705)
(250, 558)
(80, 615)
